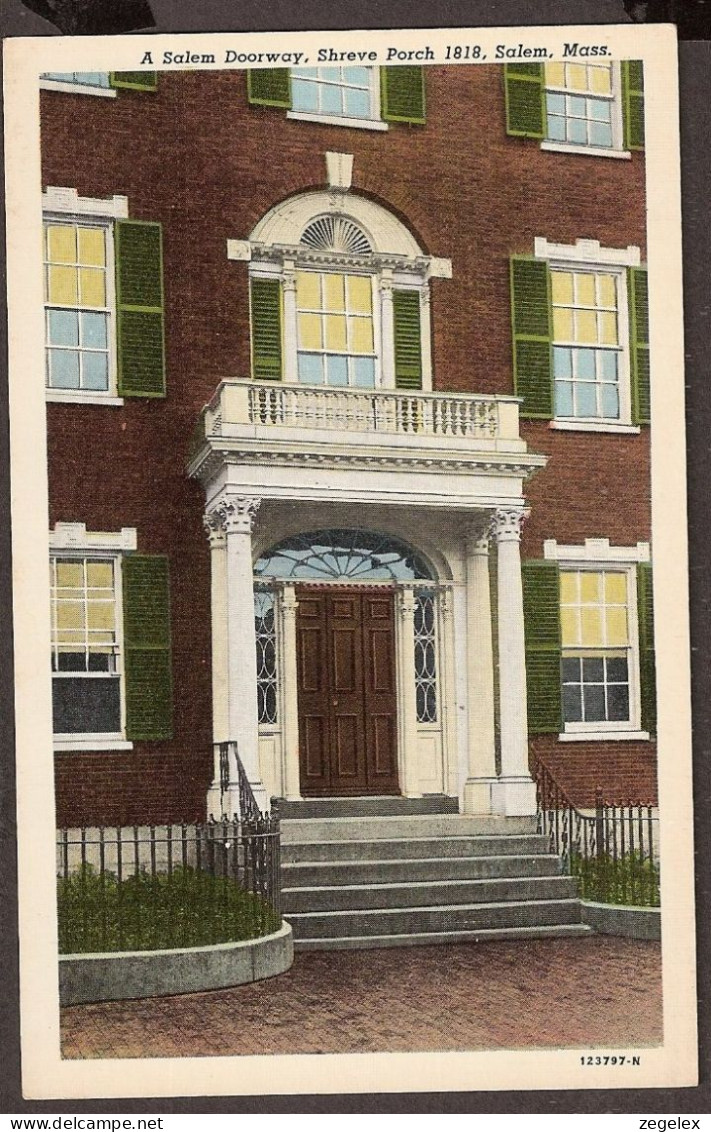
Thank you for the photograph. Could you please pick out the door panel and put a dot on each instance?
(346, 691)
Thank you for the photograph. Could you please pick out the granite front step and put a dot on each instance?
(428, 894)
(411, 848)
(372, 806)
(436, 939)
(308, 873)
(300, 830)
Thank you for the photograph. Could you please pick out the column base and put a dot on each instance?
(478, 795)
(514, 797)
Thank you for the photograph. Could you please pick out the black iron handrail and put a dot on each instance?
(249, 810)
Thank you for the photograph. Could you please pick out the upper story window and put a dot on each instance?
(91, 79)
(586, 345)
(102, 83)
(581, 106)
(336, 336)
(356, 96)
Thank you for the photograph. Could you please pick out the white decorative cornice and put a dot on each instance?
(507, 524)
(588, 252)
(426, 267)
(56, 199)
(595, 550)
(74, 536)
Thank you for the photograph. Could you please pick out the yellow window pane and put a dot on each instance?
(361, 335)
(585, 326)
(334, 293)
(585, 287)
(569, 627)
(568, 588)
(616, 619)
(92, 287)
(62, 286)
(608, 328)
(555, 74)
(310, 332)
(606, 290)
(601, 80)
(100, 574)
(590, 588)
(70, 615)
(70, 574)
(61, 243)
(562, 324)
(92, 246)
(101, 615)
(105, 647)
(308, 291)
(577, 76)
(562, 287)
(616, 589)
(336, 332)
(590, 626)
(360, 294)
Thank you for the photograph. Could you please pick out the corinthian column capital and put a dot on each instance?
(507, 524)
(236, 514)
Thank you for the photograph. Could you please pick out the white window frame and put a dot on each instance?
(375, 122)
(616, 150)
(76, 87)
(65, 206)
(72, 540)
(588, 255)
(596, 555)
(377, 330)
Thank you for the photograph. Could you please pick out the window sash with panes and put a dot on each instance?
(340, 92)
(335, 329)
(586, 344)
(78, 295)
(597, 654)
(580, 104)
(86, 671)
(79, 78)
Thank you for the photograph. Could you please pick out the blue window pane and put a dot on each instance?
(576, 107)
(331, 100)
(356, 75)
(63, 328)
(312, 71)
(585, 365)
(59, 76)
(357, 103)
(556, 128)
(304, 96)
(363, 372)
(310, 369)
(564, 399)
(562, 362)
(93, 330)
(336, 370)
(95, 372)
(555, 103)
(63, 369)
(577, 131)
(572, 704)
(586, 400)
(610, 402)
(608, 365)
(594, 700)
(599, 111)
(600, 134)
(332, 74)
(92, 78)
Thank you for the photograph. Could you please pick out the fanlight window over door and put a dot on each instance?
(342, 555)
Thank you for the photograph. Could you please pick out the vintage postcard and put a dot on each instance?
(346, 383)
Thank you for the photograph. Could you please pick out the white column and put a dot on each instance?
(291, 775)
(407, 738)
(290, 330)
(387, 330)
(515, 792)
(448, 691)
(214, 527)
(481, 747)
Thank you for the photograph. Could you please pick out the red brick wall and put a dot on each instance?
(198, 158)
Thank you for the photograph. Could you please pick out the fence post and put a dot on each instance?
(599, 823)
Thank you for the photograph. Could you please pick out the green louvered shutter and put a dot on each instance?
(408, 339)
(525, 100)
(139, 305)
(402, 95)
(639, 344)
(541, 609)
(647, 669)
(270, 87)
(531, 324)
(146, 619)
(134, 80)
(265, 309)
(633, 104)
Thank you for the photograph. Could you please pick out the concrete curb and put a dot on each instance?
(110, 976)
(623, 920)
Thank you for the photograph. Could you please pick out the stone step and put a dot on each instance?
(411, 848)
(379, 871)
(372, 806)
(299, 830)
(427, 894)
(430, 939)
(418, 920)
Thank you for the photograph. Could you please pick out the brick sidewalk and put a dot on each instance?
(594, 992)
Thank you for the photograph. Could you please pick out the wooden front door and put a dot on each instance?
(345, 646)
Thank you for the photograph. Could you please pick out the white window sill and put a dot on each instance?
(588, 150)
(77, 88)
(601, 736)
(72, 398)
(91, 743)
(595, 426)
(338, 120)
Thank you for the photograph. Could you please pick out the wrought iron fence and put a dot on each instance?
(613, 852)
(152, 887)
